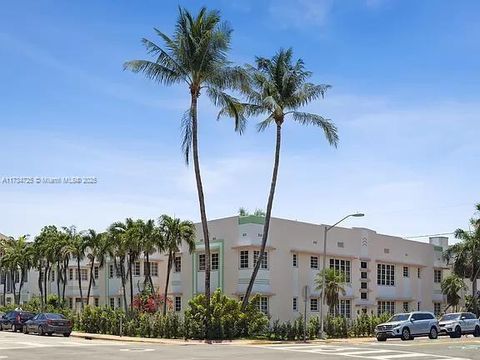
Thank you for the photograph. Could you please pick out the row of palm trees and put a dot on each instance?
(124, 243)
(275, 89)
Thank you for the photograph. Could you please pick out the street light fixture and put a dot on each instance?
(327, 229)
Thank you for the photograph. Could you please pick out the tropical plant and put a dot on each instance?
(278, 89)
(175, 232)
(465, 255)
(77, 245)
(196, 56)
(451, 287)
(151, 240)
(97, 246)
(334, 286)
(118, 250)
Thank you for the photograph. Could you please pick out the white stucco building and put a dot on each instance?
(384, 273)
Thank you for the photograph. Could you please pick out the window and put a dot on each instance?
(363, 285)
(406, 272)
(386, 274)
(385, 307)
(295, 304)
(437, 308)
(95, 272)
(119, 302)
(386, 251)
(406, 306)
(294, 260)
(363, 264)
(437, 276)
(70, 303)
(264, 264)
(154, 269)
(110, 271)
(178, 303)
(70, 274)
(419, 272)
(418, 306)
(314, 262)
(343, 309)
(340, 244)
(244, 259)
(262, 304)
(341, 267)
(118, 271)
(363, 275)
(52, 276)
(178, 264)
(364, 296)
(83, 274)
(313, 304)
(136, 268)
(215, 261)
(96, 300)
(112, 303)
(201, 262)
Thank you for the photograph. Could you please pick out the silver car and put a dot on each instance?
(407, 326)
(458, 324)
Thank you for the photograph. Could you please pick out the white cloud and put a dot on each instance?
(300, 13)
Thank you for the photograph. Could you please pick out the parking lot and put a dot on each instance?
(20, 346)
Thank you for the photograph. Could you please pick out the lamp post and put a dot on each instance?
(326, 230)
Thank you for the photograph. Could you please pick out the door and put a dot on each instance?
(470, 322)
(421, 324)
(10, 320)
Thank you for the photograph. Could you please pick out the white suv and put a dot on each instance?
(408, 325)
(458, 324)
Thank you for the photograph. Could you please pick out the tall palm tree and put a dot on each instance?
(5, 243)
(118, 251)
(196, 56)
(279, 88)
(465, 255)
(451, 287)
(151, 240)
(334, 286)
(175, 232)
(77, 246)
(96, 250)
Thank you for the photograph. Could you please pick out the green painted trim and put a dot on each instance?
(251, 219)
(200, 246)
(437, 248)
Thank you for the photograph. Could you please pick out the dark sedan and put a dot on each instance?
(48, 323)
(14, 320)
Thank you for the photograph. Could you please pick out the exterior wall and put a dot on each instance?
(280, 282)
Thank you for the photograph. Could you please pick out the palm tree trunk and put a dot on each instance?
(4, 276)
(40, 285)
(58, 281)
(122, 275)
(201, 201)
(14, 288)
(148, 276)
(80, 283)
(130, 260)
(268, 214)
(165, 293)
(45, 281)
(90, 280)
(20, 287)
(65, 270)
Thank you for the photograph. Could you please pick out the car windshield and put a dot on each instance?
(449, 317)
(399, 317)
(54, 316)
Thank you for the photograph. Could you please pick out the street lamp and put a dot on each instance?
(327, 229)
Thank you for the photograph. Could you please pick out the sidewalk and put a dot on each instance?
(200, 342)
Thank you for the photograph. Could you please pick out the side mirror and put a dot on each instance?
(463, 318)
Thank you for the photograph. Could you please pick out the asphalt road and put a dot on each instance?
(26, 347)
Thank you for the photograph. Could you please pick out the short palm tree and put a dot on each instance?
(95, 244)
(278, 89)
(175, 232)
(334, 286)
(76, 247)
(451, 287)
(196, 56)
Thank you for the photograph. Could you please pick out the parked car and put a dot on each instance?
(407, 326)
(14, 320)
(48, 323)
(458, 324)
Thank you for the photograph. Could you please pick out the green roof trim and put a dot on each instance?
(251, 219)
(437, 248)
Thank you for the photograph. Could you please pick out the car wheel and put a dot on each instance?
(25, 329)
(457, 333)
(50, 333)
(40, 331)
(433, 333)
(66, 334)
(1, 327)
(14, 328)
(406, 334)
(381, 338)
(476, 333)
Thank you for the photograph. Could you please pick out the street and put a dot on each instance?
(26, 347)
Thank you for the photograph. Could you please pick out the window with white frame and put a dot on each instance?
(201, 262)
(70, 303)
(314, 262)
(112, 302)
(419, 273)
(96, 301)
(154, 269)
(294, 260)
(364, 296)
(437, 276)
(406, 306)
(385, 307)
(437, 308)
(52, 276)
(119, 302)
(96, 272)
(178, 303)
(136, 268)
(264, 263)
(363, 275)
(244, 259)
(363, 285)
(363, 265)
(406, 272)
(215, 261)
(262, 304)
(178, 264)
(343, 309)
(341, 267)
(70, 274)
(83, 274)
(295, 304)
(110, 271)
(386, 274)
(313, 304)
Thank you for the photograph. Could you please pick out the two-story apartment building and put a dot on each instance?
(383, 273)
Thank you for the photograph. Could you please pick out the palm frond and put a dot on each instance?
(262, 125)
(229, 106)
(186, 126)
(328, 127)
(154, 71)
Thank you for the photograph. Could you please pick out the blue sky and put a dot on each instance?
(405, 97)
